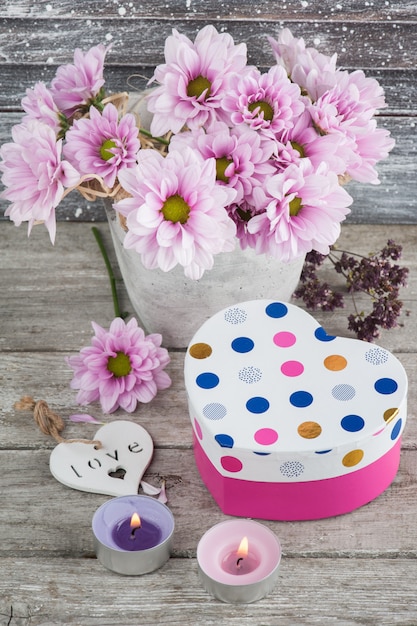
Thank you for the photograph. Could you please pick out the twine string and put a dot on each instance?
(49, 422)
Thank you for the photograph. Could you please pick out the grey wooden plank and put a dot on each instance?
(45, 519)
(400, 85)
(346, 592)
(358, 44)
(355, 10)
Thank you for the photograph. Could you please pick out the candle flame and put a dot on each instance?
(243, 548)
(135, 521)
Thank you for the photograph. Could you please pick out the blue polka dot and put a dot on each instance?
(207, 380)
(261, 453)
(276, 310)
(242, 344)
(386, 386)
(257, 404)
(301, 399)
(396, 430)
(323, 451)
(321, 335)
(225, 441)
(352, 423)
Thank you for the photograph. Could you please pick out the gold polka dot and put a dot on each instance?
(335, 362)
(353, 458)
(200, 350)
(390, 414)
(309, 430)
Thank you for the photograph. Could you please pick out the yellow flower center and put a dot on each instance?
(221, 166)
(295, 206)
(119, 365)
(264, 107)
(106, 146)
(197, 86)
(175, 209)
(297, 146)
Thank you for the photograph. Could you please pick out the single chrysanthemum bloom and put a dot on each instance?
(304, 212)
(242, 159)
(39, 105)
(177, 213)
(268, 103)
(79, 84)
(304, 141)
(122, 367)
(193, 80)
(348, 109)
(313, 71)
(34, 175)
(103, 145)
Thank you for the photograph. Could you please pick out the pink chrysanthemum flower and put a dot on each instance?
(102, 144)
(194, 80)
(313, 71)
(268, 103)
(304, 212)
(121, 367)
(176, 214)
(242, 159)
(39, 105)
(348, 109)
(34, 175)
(76, 85)
(304, 141)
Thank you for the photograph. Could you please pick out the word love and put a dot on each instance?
(116, 469)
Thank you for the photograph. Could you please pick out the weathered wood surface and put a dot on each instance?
(377, 36)
(358, 569)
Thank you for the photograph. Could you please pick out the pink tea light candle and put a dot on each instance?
(238, 560)
(133, 534)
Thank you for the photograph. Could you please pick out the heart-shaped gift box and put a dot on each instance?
(288, 421)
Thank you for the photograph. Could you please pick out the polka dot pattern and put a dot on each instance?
(343, 392)
(335, 362)
(214, 411)
(352, 458)
(309, 430)
(266, 436)
(376, 356)
(242, 344)
(250, 374)
(207, 380)
(257, 405)
(292, 469)
(200, 350)
(235, 315)
(290, 393)
(386, 386)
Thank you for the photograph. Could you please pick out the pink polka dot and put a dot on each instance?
(198, 429)
(266, 436)
(292, 368)
(231, 463)
(284, 339)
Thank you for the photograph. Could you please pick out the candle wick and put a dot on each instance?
(132, 534)
(238, 564)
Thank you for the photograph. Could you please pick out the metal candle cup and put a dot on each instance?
(217, 556)
(124, 552)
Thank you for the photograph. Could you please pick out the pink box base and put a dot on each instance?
(292, 501)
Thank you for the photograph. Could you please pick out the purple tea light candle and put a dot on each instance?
(238, 560)
(133, 534)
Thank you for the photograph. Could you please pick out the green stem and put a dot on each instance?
(112, 278)
(148, 134)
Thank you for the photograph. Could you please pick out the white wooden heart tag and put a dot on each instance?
(126, 452)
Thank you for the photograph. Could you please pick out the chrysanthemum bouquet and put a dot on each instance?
(233, 156)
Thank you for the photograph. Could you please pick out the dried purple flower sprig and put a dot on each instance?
(374, 275)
